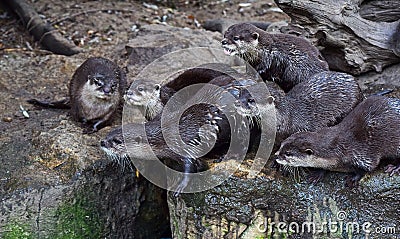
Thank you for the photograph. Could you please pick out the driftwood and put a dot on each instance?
(350, 38)
(43, 32)
(381, 11)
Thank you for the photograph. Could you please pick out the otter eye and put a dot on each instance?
(140, 88)
(236, 38)
(158, 87)
(97, 82)
(288, 154)
(309, 151)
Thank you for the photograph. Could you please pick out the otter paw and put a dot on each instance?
(352, 180)
(219, 160)
(392, 169)
(181, 186)
(315, 176)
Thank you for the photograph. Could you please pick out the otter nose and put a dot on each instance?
(224, 42)
(107, 90)
(103, 143)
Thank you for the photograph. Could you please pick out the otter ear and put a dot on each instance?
(255, 35)
(270, 99)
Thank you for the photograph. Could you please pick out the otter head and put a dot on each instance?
(306, 149)
(125, 142)
(242, 40)
(103, 86)
(145, 95)
(252, 110)
(114, 145)
(140, 93)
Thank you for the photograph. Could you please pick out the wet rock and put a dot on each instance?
(255, 208)
(276, 206)
(48, 168)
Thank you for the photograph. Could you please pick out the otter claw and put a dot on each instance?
(315, 176)
(182, 185)
(352, 180)
(392, 169)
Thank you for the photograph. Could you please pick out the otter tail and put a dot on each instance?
(62, 104)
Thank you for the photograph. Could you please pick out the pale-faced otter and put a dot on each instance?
(324, 100)
(152, 97)
(95, 93)
(146, 96)
(283, 58)
(368, 134)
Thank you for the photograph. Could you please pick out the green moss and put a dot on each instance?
(77, 220)
(15, 230)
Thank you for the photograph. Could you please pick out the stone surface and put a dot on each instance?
(46, 163)
(253, 208)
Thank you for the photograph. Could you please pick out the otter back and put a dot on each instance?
(285, 59)
(369, 134)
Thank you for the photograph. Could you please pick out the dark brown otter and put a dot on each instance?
(324, 100)
(95, 93)
(191, 130)
(365, 137)
(152, 97)
(283, 58)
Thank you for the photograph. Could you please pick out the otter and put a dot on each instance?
(146, 96)
(283, 58)
(324, 100)
(152, 97)
(95, 93)
(366, 136)
(192, 131)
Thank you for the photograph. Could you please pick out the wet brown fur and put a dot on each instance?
(283, 58)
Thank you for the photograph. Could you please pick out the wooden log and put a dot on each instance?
(348, 41)
(380, 10)
(43, 32)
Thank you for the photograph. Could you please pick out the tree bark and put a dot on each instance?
(43, 32)
(348, 40)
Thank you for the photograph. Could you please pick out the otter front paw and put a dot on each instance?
(392, 169)
(315, 176)
(353, 179)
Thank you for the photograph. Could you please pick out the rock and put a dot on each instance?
(251, 208)
(261, 207)
(371, 82)
(220, 25)
(54, 179)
